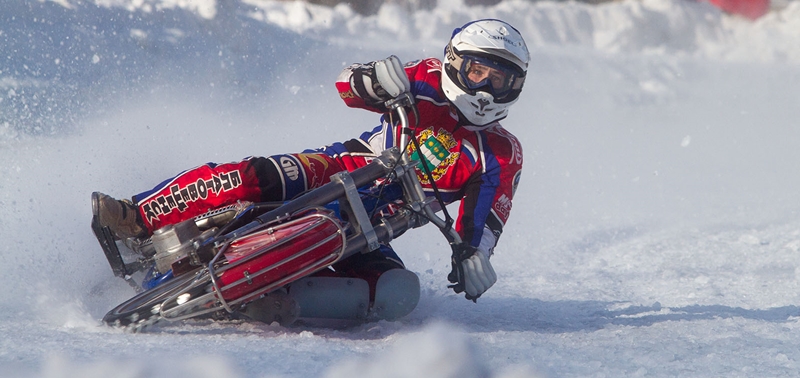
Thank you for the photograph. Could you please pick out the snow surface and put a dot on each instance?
(655, 232)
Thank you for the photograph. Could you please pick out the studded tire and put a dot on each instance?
(143, 309)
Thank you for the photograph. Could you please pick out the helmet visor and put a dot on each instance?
(499, 79)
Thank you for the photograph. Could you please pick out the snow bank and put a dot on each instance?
(692, 28)
(82, 52)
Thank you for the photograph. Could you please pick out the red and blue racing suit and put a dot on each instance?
(480, 166)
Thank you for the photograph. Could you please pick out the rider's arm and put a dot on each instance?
(488, 195)
(357, 87)
(486, 206)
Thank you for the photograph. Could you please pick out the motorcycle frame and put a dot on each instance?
(343, 187)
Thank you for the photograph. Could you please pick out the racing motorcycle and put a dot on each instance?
(228, 258)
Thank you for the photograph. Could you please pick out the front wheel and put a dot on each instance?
(144, 309)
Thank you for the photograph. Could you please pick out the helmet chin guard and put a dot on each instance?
(479, 108)
(496, 44)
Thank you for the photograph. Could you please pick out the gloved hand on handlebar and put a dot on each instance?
(473, 274)
(380, 81)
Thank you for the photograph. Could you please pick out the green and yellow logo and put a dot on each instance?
(434, 152)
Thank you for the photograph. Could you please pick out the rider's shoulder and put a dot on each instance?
(503, 141)
(496, 131)
(426, 64)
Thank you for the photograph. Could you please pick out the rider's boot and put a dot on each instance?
(121, 217)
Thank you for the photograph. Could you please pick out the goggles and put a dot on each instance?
(483, 74)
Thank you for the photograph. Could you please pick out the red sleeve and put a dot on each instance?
(489, 194)
(419, 75)
(510, 172)
(347, 93)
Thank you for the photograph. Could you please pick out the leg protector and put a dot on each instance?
(396, 294)
(276, 306)
(342, 298)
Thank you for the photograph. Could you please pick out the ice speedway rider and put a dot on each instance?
(470, 156)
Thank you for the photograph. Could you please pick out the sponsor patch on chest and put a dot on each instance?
(435, 152)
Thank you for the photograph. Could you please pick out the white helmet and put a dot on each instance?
(495, 48)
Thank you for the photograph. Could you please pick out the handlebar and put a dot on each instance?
(415, 194)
